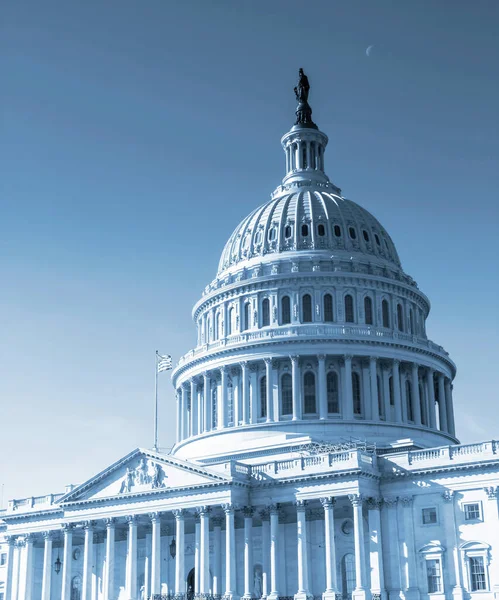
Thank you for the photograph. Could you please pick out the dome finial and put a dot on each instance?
(303, 110)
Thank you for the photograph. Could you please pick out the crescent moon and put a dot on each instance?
(369, 50)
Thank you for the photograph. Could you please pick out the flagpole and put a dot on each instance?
(156, 404)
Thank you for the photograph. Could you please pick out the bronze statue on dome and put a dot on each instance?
(303, 87)
(303, 110)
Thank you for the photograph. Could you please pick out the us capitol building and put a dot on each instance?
(316, 455)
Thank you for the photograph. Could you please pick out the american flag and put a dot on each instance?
(164, 362)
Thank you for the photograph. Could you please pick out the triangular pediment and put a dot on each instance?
(143, 471)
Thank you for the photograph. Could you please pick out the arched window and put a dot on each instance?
(214, 407)
(287, 231)
(390, 389)
(348, 575)
(216, 333)
(285, 310)
(307, 308)
(411, 321)
(381, 408)
(263, 396)
(385, 309)
(246, 319)
(304, 230)
(357, 405)
(333, 400)
(321, 230)
(368, 310)
(349, 314)
(337, 230)
(286, 394)
(309, 393)
(328, 308)
(400, 317)
(231, 326)
(265, 312)
(408, 395)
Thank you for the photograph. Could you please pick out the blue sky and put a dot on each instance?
(136, 135)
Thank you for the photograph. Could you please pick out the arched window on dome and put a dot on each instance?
(307, 308)
(231, 324)
(328, 308)
(304, 230)
(263, 397)
(368, 310)
(408, 397)
(246, 316)
(265, 312)
(411, 322)
(357, 402)
(309, 405)
(321, 230)
(216, 331)
(333, 399)
(381, 406)
(286, 395)
(285, 310)
(288, 231)
(349, 313)
(214, 407)
(385, 309)
(400, 317)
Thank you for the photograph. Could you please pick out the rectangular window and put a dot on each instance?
(472, 511)
(3, 560)
(434, 576)
(478, 581)
(429, 516)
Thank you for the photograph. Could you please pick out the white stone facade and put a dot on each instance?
(316, 453)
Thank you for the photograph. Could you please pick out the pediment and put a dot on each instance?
(140, 472)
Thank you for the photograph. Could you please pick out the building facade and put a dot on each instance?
(316, 452)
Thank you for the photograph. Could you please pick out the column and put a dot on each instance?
(197, 545)
(302, 548)
(347, 408)
(236, 398)
(47, 565)
(194, 405)
(248, 552)
(200, 411)
(431, 398)
(416, 400)
(245, 392)
(309, 155)
(269, 380)
(452, 534)
(217, 555)
(155, 553)
(109, 570)
(390, 504)
(185, 414)
(179, 417)
(450, 407)
(491, 518)
(360, 559)
(88, 550)
(321, 358)
(442, 408)
(66, 562)
(207, 396)
(373, 375)
(276, 391)
(9, 573)
(26, 569)
(330, 550)
(274, 552)
(403, 399)
(296, 379)
(131, 559)
(16, 566)
(264, 515)
(254, 392)
(386, 393)
(408, 550)
(375, 549)
(230, 553)
(222, 401)
(396, 391)
(180, 556)
(204, 549)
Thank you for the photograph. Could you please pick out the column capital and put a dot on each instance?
(264, 514)
(492, 492)
(202, 511)
(347, 357)
(374, 503)
(406, 501)
(224, 369)
(48, 535)
(268, 361)
(29, 538)
(88, 525)
(356, 499)
(10, 540)
(294, 359)
(131, 520)
(321, 357)
(328, 502)
(373, 359)
(21, 542)
(448, 495)
(67, 528)
(300, 505)
(110, 522)
(155, 517)
(273, 509)
(217, 521)
(228, 508)
(396, 362)
(179, 514)
(390, 501)
(248, 512)
(243, 364)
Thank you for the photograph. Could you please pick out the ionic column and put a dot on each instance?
(321, 359)
(185, 413)
(47, 565)
(373, 375)
(222, 404)
(88, 551)
(296, 382)
(330, 550)
(66, 562)
(360, 558)
(207, 409)
(390, 504)
(269, 381)
(416, 400)
(347, 408)
(375, 549)
(26, 569)
(254, 392)
(301, 526)
(197, 548)
(217, 552)
(16, 568)
(230, 553)
(180, 556)
(194, 403)
(248, 552)
(450, 407)
(274, 552)
(412, 591)
(264, 515)
(9, 573)
(204, 549)
(110, 553)
(431, 398)
(245, 392)
(179, 416)
(396, 391)
(236, 398)
(131, 559)
(442, 408)
(452, 534)
(155, 553)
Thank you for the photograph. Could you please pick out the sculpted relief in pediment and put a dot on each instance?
(146, 475)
